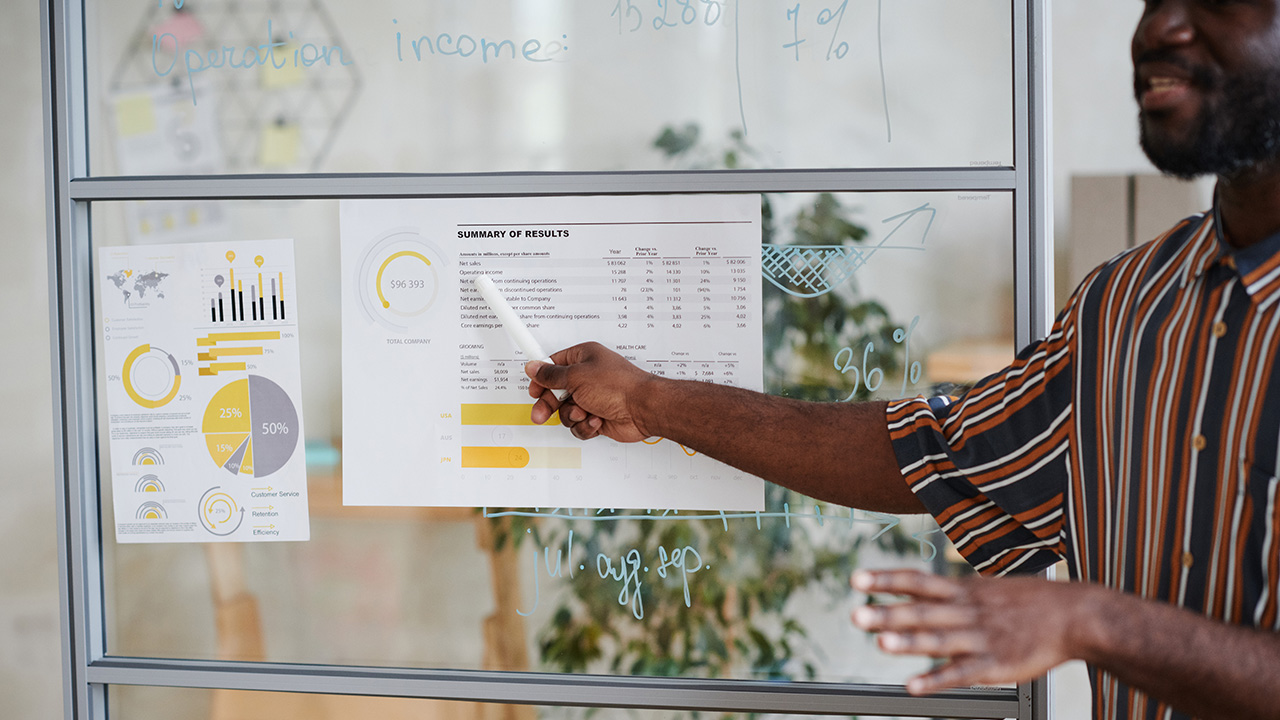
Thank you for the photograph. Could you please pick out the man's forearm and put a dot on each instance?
(838, 452)
(1200, 666)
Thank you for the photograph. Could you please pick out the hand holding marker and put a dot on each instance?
(514, 325)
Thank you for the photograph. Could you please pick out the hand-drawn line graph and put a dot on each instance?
(928, 550)
(655, 441)
(807, 271)
(888, 522)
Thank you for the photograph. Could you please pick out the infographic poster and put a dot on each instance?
(435, 408)
(203, 388)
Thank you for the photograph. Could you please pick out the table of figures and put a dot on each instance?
(634, 298)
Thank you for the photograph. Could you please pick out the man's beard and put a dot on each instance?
(1233, 132)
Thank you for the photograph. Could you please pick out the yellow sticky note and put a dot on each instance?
(135, 115)
(288, 75)
(278, 146)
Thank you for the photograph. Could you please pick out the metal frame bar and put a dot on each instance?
(71, 319)
(558, 689)
(1033, 203)
(88, 671)
(1033, 215)
(236, 187)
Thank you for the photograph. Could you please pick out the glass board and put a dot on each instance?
(761, 596)
(290, 86)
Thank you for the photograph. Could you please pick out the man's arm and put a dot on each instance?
(1015, 629)
(834, 452)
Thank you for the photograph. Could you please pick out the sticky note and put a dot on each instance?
(135, 115)
(278, 146)
(271, 77)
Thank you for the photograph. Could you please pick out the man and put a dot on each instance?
(1139, 441)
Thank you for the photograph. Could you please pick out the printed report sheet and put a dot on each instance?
(435, 408)
(203, 392)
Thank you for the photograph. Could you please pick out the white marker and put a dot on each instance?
(514, 325)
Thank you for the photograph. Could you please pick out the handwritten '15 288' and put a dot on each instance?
(667, 14)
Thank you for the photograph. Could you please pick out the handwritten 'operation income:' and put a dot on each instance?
(241, 58)
(533, 50)
(275, 53)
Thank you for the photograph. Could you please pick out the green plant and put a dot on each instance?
(802, 335)
(730, 616)
(733, 617)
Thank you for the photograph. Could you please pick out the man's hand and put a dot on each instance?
(1014, 629)
(992, 630)
(604, 390)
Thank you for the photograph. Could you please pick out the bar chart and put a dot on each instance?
(501, 426)
(221, 352)
(251, 295)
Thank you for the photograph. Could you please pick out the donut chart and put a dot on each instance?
(399, 278)
(251, 427)
(220, 514)
(151, 511)
(151, 376)
(148, 456)
(149, 484)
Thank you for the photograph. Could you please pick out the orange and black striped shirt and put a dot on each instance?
(1139, 441)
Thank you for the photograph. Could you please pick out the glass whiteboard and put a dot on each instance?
(585, 590)
(290, 86)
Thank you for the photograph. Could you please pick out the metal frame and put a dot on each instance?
(88, 670)
(369, 185)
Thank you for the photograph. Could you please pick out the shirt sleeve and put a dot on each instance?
(992, 467)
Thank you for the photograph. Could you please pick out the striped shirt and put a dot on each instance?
(1138, 441)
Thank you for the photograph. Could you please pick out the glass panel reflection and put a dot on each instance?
(249, 86)
(546, 589)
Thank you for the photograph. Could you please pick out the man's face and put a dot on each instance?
(1207, 80)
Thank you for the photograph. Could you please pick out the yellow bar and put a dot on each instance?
(204, 357)
(207, 371)
(559, 458)
(215, 353)
(506, 414)
(515, 458)
(215, 338)
(227, 367)
(494, 457)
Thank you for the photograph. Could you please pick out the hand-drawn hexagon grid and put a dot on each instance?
(280, 123)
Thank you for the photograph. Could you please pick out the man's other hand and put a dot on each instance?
(992, 631)
(604, 392)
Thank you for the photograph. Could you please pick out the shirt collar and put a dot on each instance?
(1257, 266)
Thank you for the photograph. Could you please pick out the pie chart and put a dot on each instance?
(251, 427)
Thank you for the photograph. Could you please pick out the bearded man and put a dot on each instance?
(1138, 442)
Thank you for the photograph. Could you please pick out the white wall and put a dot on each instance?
(30, 672)
(1095, 117)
